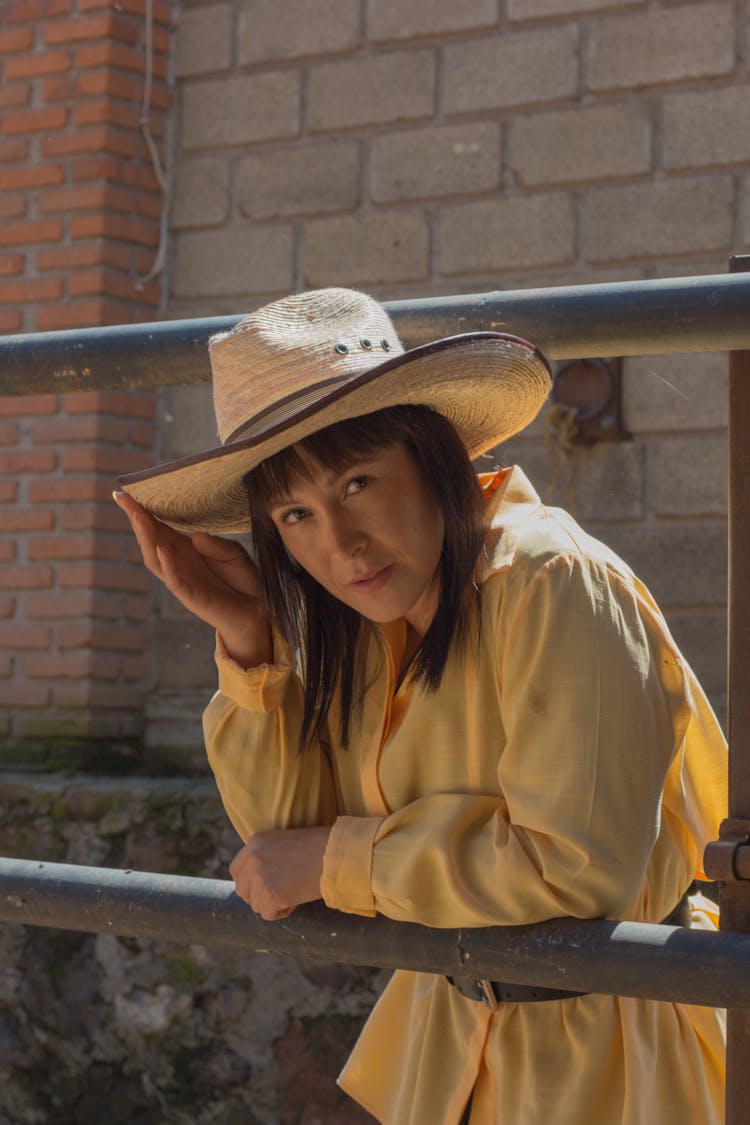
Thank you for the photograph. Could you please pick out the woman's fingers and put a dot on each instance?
(230, 562)
(216, 591)
(214, 547)
(148, 531)
(223, 558)
(183, 573)
(170, 556)
(213, 578)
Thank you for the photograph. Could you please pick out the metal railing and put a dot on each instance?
(629, 318)
(619, 958)
(679, 314)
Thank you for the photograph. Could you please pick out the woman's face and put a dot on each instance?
(371, 535)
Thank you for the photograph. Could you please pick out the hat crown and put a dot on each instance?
(292, 353)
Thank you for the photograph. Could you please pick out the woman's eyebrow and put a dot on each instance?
(357, 461)
(282, 502)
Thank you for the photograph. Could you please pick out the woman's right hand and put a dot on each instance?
(214, 578)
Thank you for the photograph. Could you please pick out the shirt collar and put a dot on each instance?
(506, 488)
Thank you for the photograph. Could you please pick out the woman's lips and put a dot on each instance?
(373, 581)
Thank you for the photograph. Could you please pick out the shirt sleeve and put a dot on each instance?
(251, 729)
(595, 708)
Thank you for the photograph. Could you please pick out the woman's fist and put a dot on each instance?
(280, 869)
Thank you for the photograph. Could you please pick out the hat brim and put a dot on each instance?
(490, 385)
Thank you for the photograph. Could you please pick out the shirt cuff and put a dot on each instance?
(255, 689)
(347, 865)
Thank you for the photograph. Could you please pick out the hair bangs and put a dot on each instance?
(275, 477)
(333, 449)
(340, 445)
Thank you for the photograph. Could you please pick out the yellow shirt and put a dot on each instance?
(569, 764)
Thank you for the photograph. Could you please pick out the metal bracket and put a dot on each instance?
(727, 860)
(592, 389)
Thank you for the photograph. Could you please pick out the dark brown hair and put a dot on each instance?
(327, 632)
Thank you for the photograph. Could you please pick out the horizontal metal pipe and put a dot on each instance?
(625, 958)
(657, 316)
(683, 314)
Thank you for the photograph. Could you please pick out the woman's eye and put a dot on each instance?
(294, 515)
(356, 484)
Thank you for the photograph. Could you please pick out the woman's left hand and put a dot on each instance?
(280, 869)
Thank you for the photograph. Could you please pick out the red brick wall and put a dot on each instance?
(80, 211)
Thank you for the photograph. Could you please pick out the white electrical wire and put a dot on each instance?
(145, 124)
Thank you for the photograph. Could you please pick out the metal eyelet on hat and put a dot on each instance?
(342, 349)
(385, 345)
(366, 344)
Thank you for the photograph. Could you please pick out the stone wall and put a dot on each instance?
(100, 1028)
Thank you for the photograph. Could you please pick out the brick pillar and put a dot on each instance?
(80, 211)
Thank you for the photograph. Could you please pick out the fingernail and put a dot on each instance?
(117, 496)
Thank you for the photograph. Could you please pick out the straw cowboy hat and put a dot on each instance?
(316, 358)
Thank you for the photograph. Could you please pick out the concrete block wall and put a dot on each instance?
(435, 147)
(404, 146)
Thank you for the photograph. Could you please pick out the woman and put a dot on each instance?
(488, 721)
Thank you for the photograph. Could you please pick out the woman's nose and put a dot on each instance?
(344, 538)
